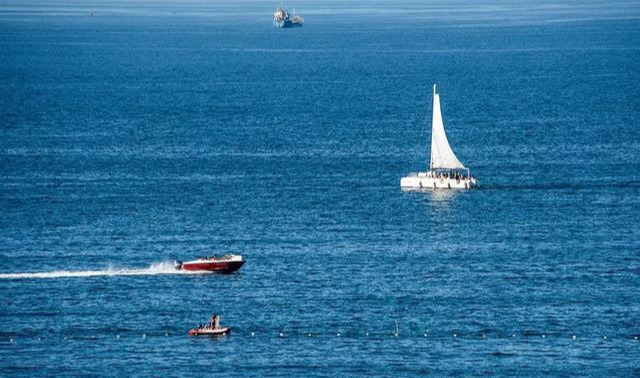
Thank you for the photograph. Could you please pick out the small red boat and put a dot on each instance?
(224, 264)
(206, 331)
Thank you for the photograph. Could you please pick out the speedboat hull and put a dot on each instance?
(226, 264)
(209, 331)
(213, 266)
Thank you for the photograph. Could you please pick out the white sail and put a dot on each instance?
(441, 154)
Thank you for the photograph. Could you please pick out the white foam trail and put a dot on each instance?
(155, 269)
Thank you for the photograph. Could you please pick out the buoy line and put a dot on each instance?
(527, 335)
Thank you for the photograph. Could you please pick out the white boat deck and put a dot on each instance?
(427, 180)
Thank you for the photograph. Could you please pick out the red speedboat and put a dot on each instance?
(206, 331)
(224, 264)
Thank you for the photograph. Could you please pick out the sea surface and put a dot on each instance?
(136, 133)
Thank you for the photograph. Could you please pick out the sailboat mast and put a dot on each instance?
(433, 102)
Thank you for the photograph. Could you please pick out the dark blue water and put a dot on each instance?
(137, 136)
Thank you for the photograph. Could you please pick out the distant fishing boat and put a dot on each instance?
(445, 170)
(282, 19)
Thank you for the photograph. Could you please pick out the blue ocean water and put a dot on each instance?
(149, 132)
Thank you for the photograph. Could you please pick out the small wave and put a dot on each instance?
(155, 269)
(503, 354)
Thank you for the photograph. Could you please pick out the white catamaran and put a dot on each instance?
(445, 170)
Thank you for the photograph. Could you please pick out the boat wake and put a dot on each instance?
(165, 267)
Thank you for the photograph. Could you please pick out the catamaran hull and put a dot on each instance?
(417, 183)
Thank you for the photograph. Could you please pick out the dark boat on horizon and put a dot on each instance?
(282, 19)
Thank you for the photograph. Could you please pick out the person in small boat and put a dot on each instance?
(214, 323)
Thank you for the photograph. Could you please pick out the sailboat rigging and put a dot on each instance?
(445, 169)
